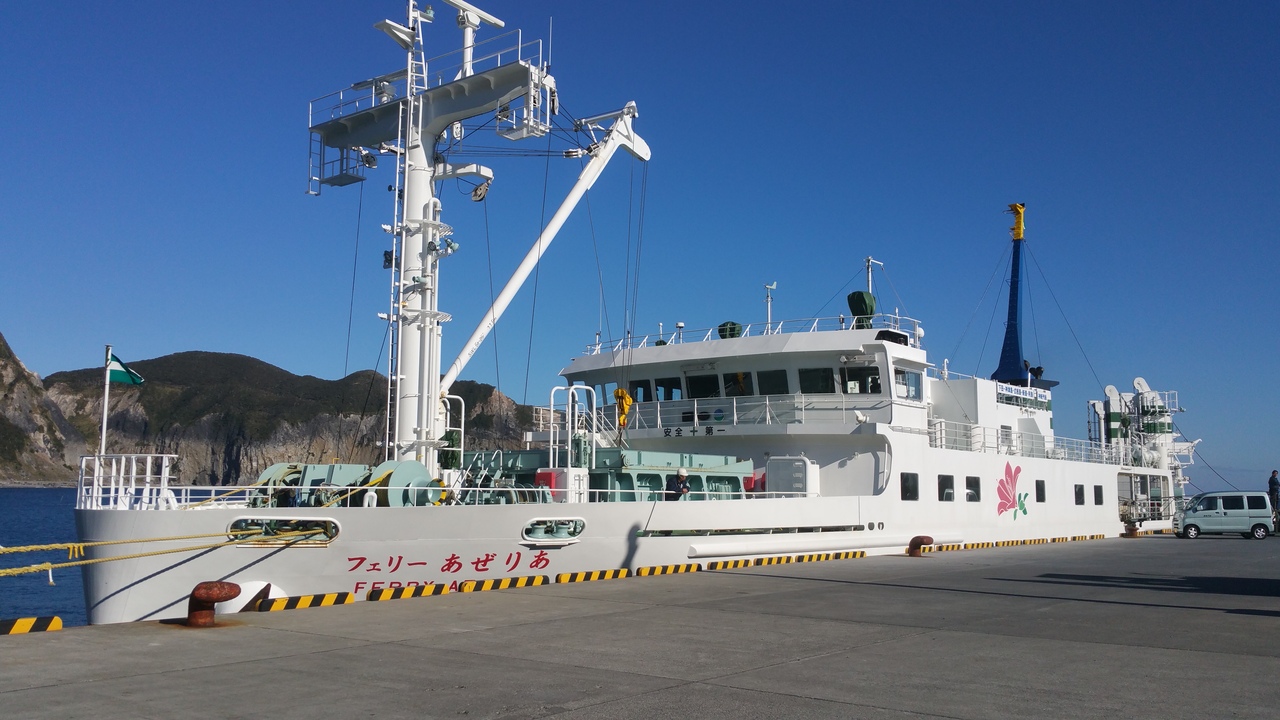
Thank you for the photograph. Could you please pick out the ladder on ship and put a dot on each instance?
(417, 83)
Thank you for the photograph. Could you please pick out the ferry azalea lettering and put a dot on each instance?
(1007, 490)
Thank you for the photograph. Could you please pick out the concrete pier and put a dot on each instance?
(1153, 627)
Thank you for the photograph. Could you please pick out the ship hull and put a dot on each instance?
(378, 548)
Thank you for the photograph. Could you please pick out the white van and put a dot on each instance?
(1247, 513)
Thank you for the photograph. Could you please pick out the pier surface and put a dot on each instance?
(1153, 627)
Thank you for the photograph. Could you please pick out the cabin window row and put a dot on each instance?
(908, 384)
(910, 483)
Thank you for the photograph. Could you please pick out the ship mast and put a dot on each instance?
(404, 114)
(1013, 368)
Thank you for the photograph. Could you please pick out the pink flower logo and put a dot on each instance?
(1007, 491)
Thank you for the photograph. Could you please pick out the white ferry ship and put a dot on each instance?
(827, 435)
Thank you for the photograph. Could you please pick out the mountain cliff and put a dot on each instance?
(227, 417)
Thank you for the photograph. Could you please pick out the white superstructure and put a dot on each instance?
(823, 435)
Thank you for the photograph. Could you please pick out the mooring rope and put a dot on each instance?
(77, 550)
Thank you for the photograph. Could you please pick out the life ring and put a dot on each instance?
(443, 497)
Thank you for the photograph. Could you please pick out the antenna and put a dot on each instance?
(768, 305)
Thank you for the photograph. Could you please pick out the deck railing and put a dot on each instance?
(906, 325)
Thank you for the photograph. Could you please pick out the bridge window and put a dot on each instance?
(817, 380)
(860, 380)
(738, 384)
(703, 386)
(907, 383)
(773, 382)
(668, 388)
(641, 390)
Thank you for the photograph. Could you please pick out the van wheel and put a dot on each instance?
(1259, 532)
(1191, 531)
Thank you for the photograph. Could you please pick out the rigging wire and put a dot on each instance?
(373, 378)
(964, 333)
(1068, 322)
(901, 303)
(1035, 329)
(537, 271)
(1206, 462)
(818, 312)
(987, 336)
(488, 250)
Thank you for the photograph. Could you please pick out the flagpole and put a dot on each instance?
(106, 390)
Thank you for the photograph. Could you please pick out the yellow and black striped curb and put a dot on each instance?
(1156, 532)
(411, 591)
(778, 560)
(1008, 543)
(594, 575)
(729, 564)
(823, 557)
(305, 601)
(21, 626)
(503, 583)
(667, 569)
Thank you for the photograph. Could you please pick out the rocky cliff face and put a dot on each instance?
(37, 445)
(226, 417)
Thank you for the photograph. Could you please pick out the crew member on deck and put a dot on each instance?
(678, 485)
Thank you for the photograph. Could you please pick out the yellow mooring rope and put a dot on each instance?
(77, 549)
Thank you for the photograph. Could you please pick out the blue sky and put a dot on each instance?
(153, 198)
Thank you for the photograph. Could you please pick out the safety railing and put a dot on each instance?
(440, 70)
(1006, 441)
(906, 325)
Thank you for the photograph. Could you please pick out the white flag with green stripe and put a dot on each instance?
(118, 372)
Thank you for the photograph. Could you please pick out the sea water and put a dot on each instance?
(39, 516)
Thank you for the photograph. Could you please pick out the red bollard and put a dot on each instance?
(913, 550)
(204, 597)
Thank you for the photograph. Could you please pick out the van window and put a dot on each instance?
(1257, 502)
(703, 386)
(738, 384)
(817, 380)
(773, 382)
(668, 388)
(1209, 503)
(1232, 502)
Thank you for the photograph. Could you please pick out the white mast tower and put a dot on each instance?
(405, 113)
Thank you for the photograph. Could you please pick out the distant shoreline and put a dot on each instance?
(9, 484)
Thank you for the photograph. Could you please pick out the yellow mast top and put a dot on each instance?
(1017, 209)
